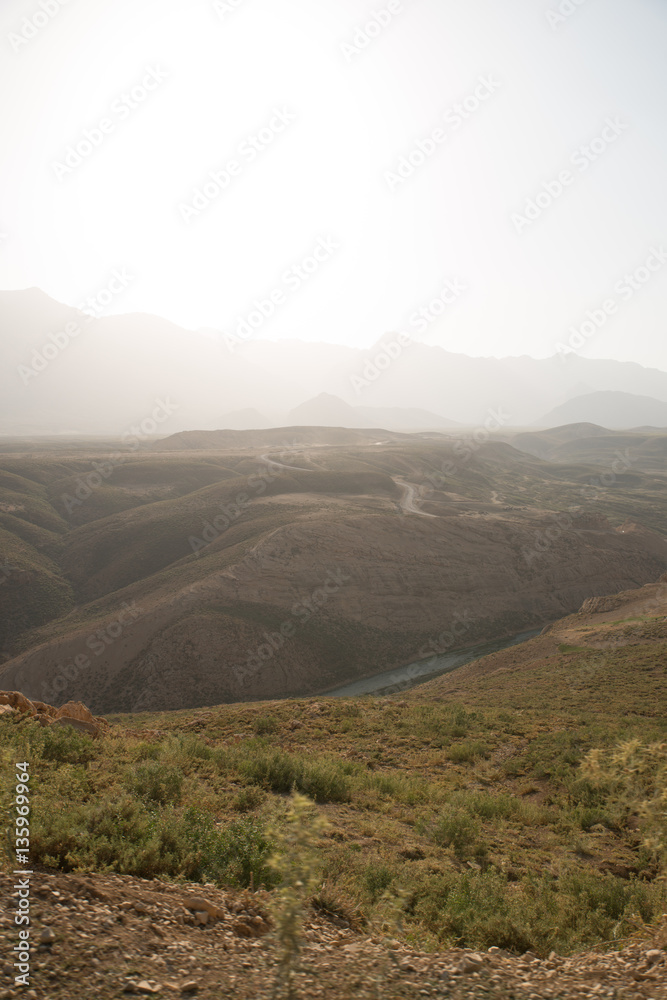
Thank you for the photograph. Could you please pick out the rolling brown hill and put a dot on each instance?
(183, 578)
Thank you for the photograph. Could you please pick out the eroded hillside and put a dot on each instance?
(170, 578)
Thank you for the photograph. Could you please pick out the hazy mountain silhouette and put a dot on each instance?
(615, 410)
(107, 377)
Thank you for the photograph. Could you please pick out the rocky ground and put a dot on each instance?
(109, 936)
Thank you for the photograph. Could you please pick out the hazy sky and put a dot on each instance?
(152, 96)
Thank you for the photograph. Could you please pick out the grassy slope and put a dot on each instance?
(462, 798)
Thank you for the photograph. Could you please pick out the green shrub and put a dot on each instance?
(634, 774)
(248, 799)
(157, 782)
(108, 834)
(376, 879)
(586, 817)
(64, 745)
(323, 781)
(274, 770)
(463, 753)
(145, 751)
(239, 854)
(122, 834)
(482, 910)
(495, 806)
(606, 899)
(186, 749)
(264, 725)
(456, 828)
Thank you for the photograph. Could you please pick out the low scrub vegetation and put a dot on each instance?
(481, 827)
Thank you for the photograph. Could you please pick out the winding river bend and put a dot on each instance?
(402, 678)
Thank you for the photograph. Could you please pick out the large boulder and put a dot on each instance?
(44, 709)
(76, 710)
(18, 701)
(79, 724)
(72, 714)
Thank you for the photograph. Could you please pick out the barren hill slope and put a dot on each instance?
(189, 578)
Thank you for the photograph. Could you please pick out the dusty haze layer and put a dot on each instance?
(61, 372)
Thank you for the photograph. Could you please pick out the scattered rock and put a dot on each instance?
(201, 918)
(471, 963)
(47, 936)
(190, 987)
(200, 904)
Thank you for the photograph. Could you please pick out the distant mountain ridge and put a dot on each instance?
(326, 410)
(614, 410)
(111, 373)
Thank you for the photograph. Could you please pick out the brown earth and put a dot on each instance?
(110, 936)
(623, 623)
(339, 563)
(392, 584)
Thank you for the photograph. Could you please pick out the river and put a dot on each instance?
(402, 678)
